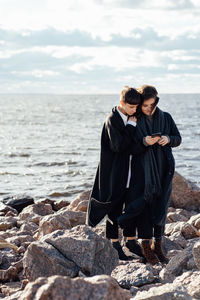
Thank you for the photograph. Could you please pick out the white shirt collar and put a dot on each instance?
(124, 117)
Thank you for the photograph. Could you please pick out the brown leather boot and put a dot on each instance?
(148, 253)
(157, 248)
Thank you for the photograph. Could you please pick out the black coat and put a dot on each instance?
(153, 170)
(117, 143)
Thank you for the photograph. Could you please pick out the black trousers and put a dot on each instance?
(146, 229)
(112, 229)
(142, 222)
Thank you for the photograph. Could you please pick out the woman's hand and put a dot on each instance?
(151, 140)
(133, 118)
(163, 140)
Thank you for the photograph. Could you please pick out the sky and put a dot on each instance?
(98, 46)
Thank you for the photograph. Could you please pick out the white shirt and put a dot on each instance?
(126, 121)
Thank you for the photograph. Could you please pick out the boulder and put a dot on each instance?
(177, 263)
(168, 291)
(191, 281)
(186, 229)
(178, 238)
(42, 259)
(4, 209)
(7, 223)
(77, 249)
(10, 288)
(195, 221)
(176, 217)
(18, 202)
(9, 274)
(133, 274)
(196, 254)
(62, 288)
(63, 219)
(33, 213)
(57, 205)
(185, 194)
(81, 198)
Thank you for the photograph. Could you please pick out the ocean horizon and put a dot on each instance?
(50, 143)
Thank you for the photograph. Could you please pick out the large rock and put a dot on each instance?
(7, 223)
(196, 254)
(185, 194)
(191, 281)
(4, 209)
(185, 228)
(18, 202)
(101, 287)
(80, 203)
(164, 292)
(33, 213)
(133, 274)
(79, 249)
(63, 219)
(42, 259)
(195, 221)
(179, 261)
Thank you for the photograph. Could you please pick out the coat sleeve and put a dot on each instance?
(119, 138)
(174, 134)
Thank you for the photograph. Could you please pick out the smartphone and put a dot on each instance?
(156, 134)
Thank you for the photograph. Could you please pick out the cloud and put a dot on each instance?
(98, 44)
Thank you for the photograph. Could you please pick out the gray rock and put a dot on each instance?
(191, 281)
(178, 238)
(133, 274)
(179, 262)
(78, 249)
(63, 219)
(185, 194)
(18, 202)
(4, 209)
(101, 287)
(93, 254)
(42, 259)
(57, 205)
(33, 213)
(168, 291)
(81, 198)
(196, 254)
(7, 223)
(8, 275)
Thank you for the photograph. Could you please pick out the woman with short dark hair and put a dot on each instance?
(153, 171)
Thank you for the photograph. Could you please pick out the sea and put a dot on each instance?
(50, 144)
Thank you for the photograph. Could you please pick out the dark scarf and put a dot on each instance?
(151, 167)
(152, 164)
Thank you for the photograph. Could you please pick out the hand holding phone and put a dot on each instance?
(156, 134)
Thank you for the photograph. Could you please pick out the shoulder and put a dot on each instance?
(112, 118)
(167, 115)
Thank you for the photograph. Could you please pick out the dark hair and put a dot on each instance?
(147, 92)
(130, 95)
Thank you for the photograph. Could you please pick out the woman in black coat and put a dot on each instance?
(153, 171)
(111, 186)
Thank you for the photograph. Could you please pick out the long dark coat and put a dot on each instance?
(117, 143)
(153, 170)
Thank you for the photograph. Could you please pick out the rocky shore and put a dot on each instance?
(47, 252)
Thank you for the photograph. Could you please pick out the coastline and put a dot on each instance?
(46, 247)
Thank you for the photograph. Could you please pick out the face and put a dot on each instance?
(129, 109)
(148, 106)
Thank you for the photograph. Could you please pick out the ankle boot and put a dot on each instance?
(148, 253)
(157, 248)
(134, 247)
(121, 254)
